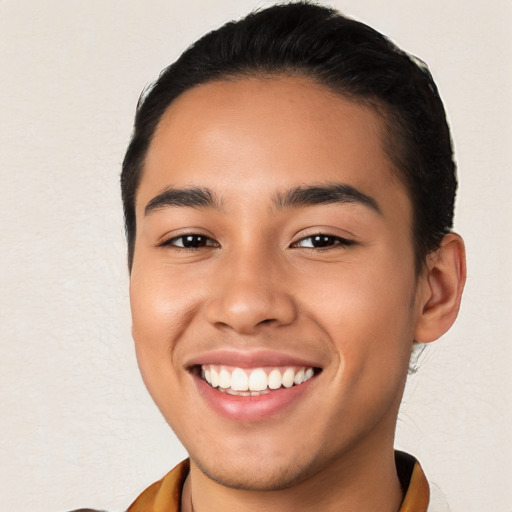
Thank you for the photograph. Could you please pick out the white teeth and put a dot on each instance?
(244, 382)
(288, 376)
(274, 379)
(215, 377)
(239, 380)
(224, 379)
(299, 377)
(257, 380)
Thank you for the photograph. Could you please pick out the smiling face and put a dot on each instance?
(273, 289)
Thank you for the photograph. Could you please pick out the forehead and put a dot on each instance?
(257, 135)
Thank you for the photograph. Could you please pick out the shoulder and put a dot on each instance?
(419, 494)
(167, 490)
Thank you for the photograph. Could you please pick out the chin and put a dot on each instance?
(262, 474)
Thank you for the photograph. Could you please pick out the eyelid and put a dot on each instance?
(167, 240)
(342, 241)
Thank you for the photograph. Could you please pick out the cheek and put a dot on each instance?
(150, 312)
(367, 311)
(154, 326)
(164, 303)
(159, 304)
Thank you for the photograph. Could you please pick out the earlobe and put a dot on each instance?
(442, 285)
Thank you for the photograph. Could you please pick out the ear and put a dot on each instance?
(440, 289)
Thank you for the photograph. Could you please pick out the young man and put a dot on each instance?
(288, 194)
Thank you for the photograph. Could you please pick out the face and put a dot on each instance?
(273, 290)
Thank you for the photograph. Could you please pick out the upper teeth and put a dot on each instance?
(254, 380)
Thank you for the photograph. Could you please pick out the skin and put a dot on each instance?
(353, 308)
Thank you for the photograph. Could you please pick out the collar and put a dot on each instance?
(165, 495)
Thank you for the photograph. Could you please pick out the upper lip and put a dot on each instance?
(250, 359)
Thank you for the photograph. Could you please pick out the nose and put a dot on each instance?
(250, 292)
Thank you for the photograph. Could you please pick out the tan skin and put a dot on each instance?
(257, 280)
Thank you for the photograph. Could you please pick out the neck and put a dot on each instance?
(362, 480)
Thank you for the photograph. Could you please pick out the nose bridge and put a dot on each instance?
(250, 291)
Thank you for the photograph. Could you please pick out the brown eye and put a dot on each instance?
(321, 241)
(191, 241)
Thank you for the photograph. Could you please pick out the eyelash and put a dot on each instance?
(330, 241)
(198, 238)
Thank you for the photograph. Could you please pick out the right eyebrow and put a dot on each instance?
(193, 197)
(328, 193)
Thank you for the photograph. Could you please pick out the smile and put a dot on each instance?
(253, 382)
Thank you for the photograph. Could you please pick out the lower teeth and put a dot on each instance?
(230, 391)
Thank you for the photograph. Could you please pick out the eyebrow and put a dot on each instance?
(193, 197)
(311, 195)
(329, 193)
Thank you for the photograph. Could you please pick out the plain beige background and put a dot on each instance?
(77, 427)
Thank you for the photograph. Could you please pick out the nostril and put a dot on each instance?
(246, 307)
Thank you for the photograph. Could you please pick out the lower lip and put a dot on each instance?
(251, 408)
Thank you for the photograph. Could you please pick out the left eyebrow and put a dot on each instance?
(313, 195)
(193, 197)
